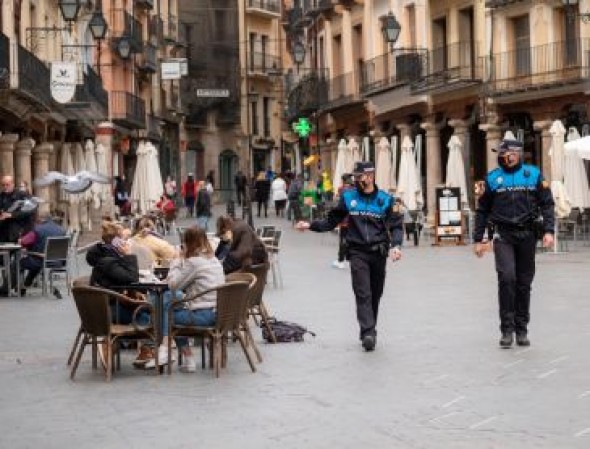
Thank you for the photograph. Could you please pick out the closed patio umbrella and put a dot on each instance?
(456, 169)
(70, 202)
(354, 154)
(383, 166)
(575, 177)
(340, 165)
(83, 198)
(408, 185)
(92, 194)
(104, 190)
(155, 175)
(140, 188)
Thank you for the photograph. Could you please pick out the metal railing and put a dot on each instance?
(4, 60)
(153, 127)
(266, 5)
(453, 64)
(390, 70)
(92, 89)
(149, 58)
(33, 76)
(128, 108)
(343, 89)
(546, 65)
(263, 62)
(307, 92)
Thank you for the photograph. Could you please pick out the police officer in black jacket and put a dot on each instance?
(374, 233)
(12, 222)
(514, 200)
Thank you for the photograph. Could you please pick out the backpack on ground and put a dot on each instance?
(284, 331)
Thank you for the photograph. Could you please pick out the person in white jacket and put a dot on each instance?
(278, 190)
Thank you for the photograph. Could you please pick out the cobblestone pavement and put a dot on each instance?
(436, 380)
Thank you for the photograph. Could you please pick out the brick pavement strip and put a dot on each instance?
(436, 380)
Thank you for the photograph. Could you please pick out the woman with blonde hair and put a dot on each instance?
(145, 236)
(196, 270)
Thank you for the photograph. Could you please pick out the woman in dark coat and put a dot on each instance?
(239, 247)
(262, 188)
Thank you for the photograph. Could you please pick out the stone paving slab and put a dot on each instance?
(436, 380)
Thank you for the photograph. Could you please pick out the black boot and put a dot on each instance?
(369, 342)
(522, 339)
(506, 340)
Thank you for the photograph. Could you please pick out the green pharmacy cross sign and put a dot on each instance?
(302, 127)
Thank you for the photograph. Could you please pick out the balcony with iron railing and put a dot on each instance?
(148, 60)
(453, 66)
(541, 67)
(307, 92)
(264, 8)
(33, 78)
(263, 63)
(392, 70)
(4, 61)
(153, 127)
(343, 90)
(123, 24)
(91, 100)
(127, 109)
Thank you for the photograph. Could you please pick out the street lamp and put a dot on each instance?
(391, 29)
(98, 28)
(123, 47)
(69, 10)
(298, 53)
(571, 12)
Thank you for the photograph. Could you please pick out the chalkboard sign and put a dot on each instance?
(449, 222)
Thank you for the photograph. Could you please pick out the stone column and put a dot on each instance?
(41, 154)
(23, 160)
(544, 126)
(462, 132)
(104, 135)
(7, 142)
(493, 137)
(53, 161)
(433, 166)
(404, 130)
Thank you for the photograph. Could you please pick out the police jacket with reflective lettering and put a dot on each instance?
(371, 218)
(514, 198)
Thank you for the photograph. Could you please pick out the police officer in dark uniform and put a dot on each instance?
(375, 231)
(514, 199)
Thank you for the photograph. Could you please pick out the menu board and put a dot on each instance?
(449, 222)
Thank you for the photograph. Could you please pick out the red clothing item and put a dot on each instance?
(28, 239)
(188, 187)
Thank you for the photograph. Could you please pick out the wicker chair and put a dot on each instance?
(93, 307)
(254, 282)
(82, 281)
(256, 307)
(232, 304)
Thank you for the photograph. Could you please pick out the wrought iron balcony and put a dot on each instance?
(127, 109)
(450, 67)
(343, 90)
(148, 61)
(265, 8)
(307, 93)
(4, 61)
(540, 67)
(392, 70)
(123, 24)
(263, 63)
(153, 127)
(293, 20)
(91, 100)
(33, 78)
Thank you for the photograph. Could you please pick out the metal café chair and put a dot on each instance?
(55, 260)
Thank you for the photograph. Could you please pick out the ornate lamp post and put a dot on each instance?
(98, 27)
(391, 29)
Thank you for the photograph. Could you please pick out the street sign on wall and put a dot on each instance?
(170, 70)
(213, 93)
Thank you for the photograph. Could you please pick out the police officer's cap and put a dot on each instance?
(363, 167)
(509, 145)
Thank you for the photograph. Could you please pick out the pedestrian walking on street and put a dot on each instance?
(203, 207)
(515, 197)
(262, 188)
(189, 192)
(279, 195)
(241, 183)
(374, 233)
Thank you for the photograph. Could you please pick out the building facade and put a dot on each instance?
(459, 67)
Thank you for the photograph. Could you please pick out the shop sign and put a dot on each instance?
(63, 81)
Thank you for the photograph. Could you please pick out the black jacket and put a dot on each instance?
(109, 268)
(203, 204)
(372, 219)
(262, 188)
(513, 199)
(12, 228)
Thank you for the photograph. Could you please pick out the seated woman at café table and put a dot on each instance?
(160, 248)
(196, 270)
(239, 245)
(114, 267)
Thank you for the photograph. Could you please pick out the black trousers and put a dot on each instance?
(342, 246)
(515, 266)
(368, 277)
(262, 204)
(240, 193)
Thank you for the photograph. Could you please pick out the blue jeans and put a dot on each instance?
(199, 317)
(203, 223)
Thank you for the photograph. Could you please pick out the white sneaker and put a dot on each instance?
(189, 364)
(162, 358)
(339, 265)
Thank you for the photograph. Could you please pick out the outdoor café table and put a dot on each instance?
(6, 250)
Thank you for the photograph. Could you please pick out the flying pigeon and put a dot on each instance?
(27, 205)
(78, 183)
